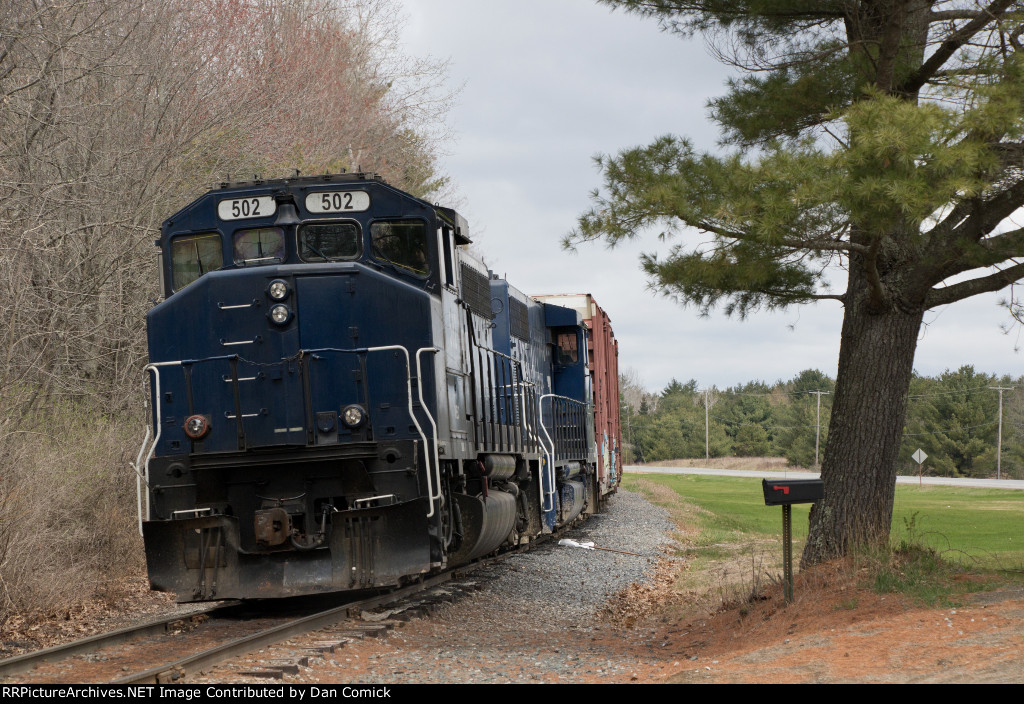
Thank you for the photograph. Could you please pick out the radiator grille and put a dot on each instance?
(476, 292)
(518, 319)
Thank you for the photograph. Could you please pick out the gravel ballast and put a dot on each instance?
(536, 619)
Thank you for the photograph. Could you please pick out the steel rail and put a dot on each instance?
(180, 670)
(23, 663)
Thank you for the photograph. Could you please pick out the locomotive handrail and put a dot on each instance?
(142, 475)
(412, 414)
(501, 420)
(419, 429)
(551, 453)
(550, 470)
(500, 354)
(433, 426)
(515, 369)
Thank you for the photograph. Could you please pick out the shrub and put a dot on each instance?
(67, 509)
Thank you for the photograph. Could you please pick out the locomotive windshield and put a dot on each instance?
(258, 246)
(402, 243)
(194, 255)
(329, 242)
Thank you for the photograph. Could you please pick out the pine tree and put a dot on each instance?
(883, 136)
(805, 421)
(954, 419)
(748, 419)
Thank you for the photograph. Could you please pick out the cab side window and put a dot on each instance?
(568, 348)
(402, 243)
(194, 255)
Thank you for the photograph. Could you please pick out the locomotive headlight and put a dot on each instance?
(278, 290)
(353, 416)
(280, 314)
(197, 427)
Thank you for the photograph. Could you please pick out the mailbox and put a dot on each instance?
(784, 493)
(779, 492)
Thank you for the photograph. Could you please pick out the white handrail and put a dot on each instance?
(550, 455)
(433, 425)
(551, 452)
(419, 429)
(142, 470)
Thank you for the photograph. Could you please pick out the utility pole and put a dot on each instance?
(817, 431)
(707, 445)
(709, 400)
(999, 440)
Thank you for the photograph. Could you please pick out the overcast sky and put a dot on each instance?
(548, 84)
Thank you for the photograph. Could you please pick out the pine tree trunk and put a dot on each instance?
(876, 360)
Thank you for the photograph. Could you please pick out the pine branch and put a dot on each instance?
(825, 245)
(966, 289)
(954, 42)
(877, 291)
(1005, 245)
(988, 213)
(952, 15)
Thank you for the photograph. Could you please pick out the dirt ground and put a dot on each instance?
(835, 631)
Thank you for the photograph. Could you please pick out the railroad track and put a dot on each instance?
(10, 667)
(172, 650)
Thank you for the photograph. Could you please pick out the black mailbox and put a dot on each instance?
(779, 492)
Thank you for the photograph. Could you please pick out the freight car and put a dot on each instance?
(343, 396)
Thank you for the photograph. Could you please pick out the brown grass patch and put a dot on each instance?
(653, 599)
(773, 464)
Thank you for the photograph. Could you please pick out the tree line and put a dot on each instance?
(954, 418)
(114, 114)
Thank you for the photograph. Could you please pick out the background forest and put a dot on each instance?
(954, 418)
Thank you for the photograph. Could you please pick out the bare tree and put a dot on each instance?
(114, 114)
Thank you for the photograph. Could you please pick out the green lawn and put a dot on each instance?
(976, 527)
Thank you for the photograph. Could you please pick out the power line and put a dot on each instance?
(947, 430)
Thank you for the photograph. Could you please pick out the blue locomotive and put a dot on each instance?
(343, 397)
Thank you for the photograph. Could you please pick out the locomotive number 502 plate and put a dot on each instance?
(241, 208)
(338, 201)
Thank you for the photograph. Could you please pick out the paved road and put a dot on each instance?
(963, 482)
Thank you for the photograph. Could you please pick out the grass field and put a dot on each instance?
(981, 528)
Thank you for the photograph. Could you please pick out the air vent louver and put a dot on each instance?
(476, 292)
